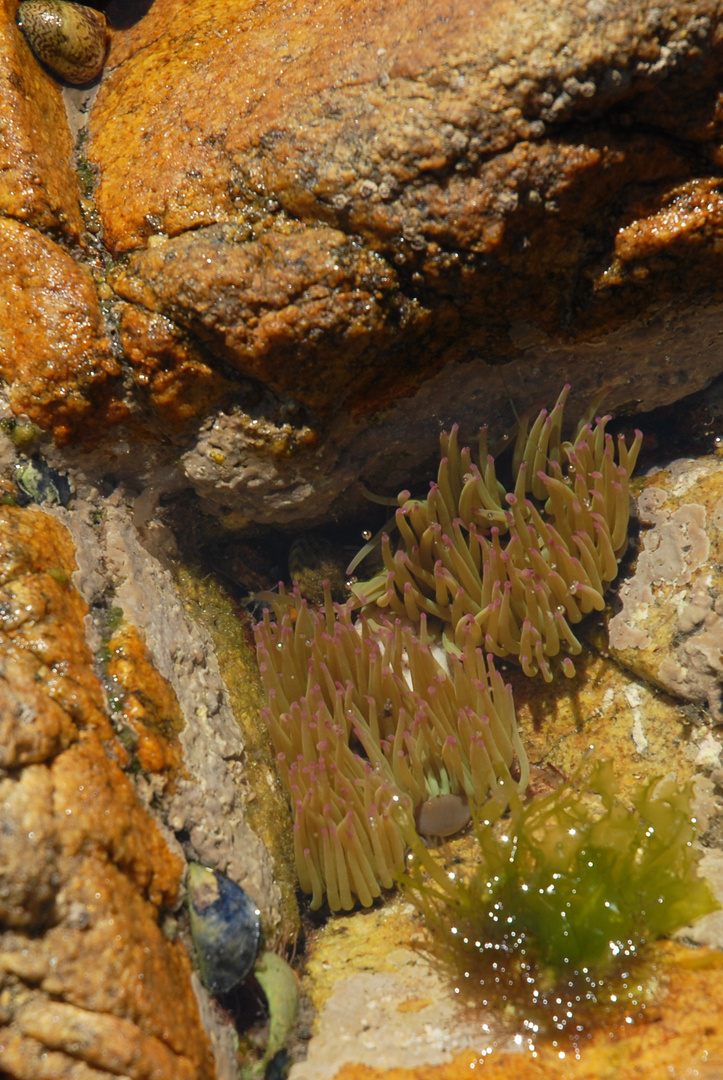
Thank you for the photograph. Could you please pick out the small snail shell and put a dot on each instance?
(225, 928)
(70, 38)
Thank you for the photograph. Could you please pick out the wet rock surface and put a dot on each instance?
(84, 965)
(669, 627)
(341, 226)
(288, 245)
(55, 356)
(384, 196)
(38, 184)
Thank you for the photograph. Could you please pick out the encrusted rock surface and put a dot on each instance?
(123, 723)
(380, 196)
(299, 240)
(669, 628)
(38, 184)
(683, 1034)
(675, 1043)
(320, 232)
(207, 800)
(85, 969)
(55, 354)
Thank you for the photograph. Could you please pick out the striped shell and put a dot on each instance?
(70, 39)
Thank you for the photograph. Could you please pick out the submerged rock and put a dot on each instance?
(668, 622)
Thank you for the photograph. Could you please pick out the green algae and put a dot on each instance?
(567, 891)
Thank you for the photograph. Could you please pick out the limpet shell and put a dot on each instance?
(443, 815)
(70, 38)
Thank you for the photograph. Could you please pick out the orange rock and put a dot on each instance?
(287, 308)
(53, 337)
(358, 196)
(89, 985)
(38, 184)
(683, 1037)
(47, 678)
(148, 704)
(168, 367)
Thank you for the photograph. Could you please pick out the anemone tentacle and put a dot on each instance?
(367, 726)
(371, 730)
(526, 564)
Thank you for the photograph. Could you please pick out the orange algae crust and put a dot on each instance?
(37, 183)
(625, 720)
(682, 1036)
(89, 984)
(167, 367)
(378, 192)
(48, 690)
(146, 703)
(54, 352)
(196, 179)
(279, 308)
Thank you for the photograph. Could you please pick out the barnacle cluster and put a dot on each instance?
(569, 890)
(513, 571)
(370, 731)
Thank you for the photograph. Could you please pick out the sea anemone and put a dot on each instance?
(372, 733)
(511, 571)
(375, 732)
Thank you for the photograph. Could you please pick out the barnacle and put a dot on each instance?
(513, 570)
(368, 726)
(567, 892)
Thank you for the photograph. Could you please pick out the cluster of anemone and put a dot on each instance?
(376, 739)
(514, 571)
(379, 734)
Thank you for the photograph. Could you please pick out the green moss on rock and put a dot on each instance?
(566, 894)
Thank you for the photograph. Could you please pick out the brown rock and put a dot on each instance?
(367, 206)
(169, 368)
(89, 986)
(54, 352)
(359, 208)
(284, 308)
(339, 135)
